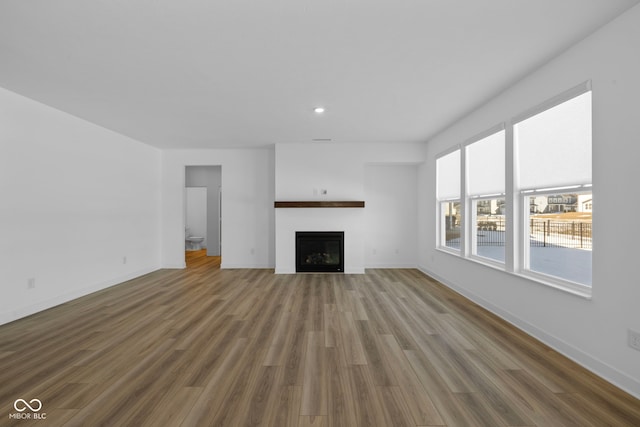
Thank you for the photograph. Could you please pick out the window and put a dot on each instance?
(485, 162)
(553, 164)
(558, 236)
(448, 195)
(519, 196)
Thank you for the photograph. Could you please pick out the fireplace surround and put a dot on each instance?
(320, 251)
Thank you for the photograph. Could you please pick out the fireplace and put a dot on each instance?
(320, 251)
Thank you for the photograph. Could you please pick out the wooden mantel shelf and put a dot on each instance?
(320, 204)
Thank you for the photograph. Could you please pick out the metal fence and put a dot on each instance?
(542, 233)
(490, 231)
(564, 234)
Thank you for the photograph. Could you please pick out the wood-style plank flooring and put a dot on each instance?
(204, 346)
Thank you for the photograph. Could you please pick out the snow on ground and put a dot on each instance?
(565, 263)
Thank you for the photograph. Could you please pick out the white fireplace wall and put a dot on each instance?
(329, 171)
(349, 220)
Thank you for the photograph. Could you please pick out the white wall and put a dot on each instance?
(391, 217)
(592, 332)
(247, 205)
(75, 200)
(303, 170)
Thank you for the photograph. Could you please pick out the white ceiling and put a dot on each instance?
(242, 73)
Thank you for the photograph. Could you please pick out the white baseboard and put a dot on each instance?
(602, 369)
(174, 266)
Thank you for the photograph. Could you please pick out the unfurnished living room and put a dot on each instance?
(319, 213)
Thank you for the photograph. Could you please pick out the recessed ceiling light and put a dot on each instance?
(318, 110)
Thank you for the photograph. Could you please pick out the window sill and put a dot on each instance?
(540, 279)
(559, 284)
(449, 251)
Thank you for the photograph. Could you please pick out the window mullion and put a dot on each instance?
(465, 246)
(513, 246)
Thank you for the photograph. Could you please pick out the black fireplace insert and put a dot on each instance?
(320, 251)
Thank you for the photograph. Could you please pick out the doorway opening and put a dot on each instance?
(203, 215)
(200, 260)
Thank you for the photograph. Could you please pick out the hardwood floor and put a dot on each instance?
(204, 346)
(199, 259)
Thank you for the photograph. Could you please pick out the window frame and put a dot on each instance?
(442, 236)
(471, 201)
(441, 226)
(521, 265)
(524, 252)
(517, 256)
(473, 232)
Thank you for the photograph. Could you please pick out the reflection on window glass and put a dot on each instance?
(451, 217)
(560, 235)
(490, 228)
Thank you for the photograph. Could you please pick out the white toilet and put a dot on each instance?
(193, 242)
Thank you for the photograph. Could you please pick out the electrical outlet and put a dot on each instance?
(31, 283)
(634, 339)
(124, 259)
